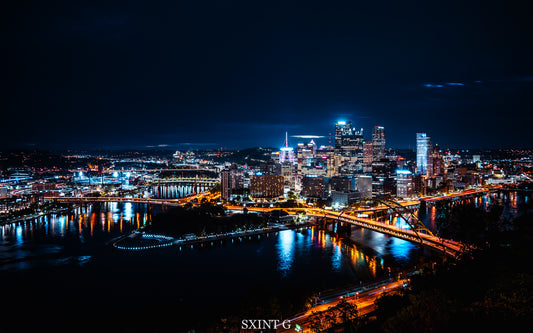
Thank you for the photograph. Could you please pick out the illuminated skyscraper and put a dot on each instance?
(404, 183)
(424, 163)
(347, 137)
(378, 143)
(349, 147)
(286, 154)
(225, 184)
(231, 179)
(367, 157)
(437, 161)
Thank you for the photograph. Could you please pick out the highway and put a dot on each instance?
(364, 300)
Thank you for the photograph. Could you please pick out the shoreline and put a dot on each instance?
(29, 217)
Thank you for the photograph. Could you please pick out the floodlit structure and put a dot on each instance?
(404, 183)
(424, 150)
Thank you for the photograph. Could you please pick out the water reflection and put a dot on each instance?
(174, 191)
(38, 241)
(285, 251)
(510, 201)
(400, 248)
(345, 255)
(18, 233)
(336, 258)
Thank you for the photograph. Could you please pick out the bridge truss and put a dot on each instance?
(412, 220)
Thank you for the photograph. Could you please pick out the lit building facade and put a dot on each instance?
(266, 186)
(382, 171)
(313, 187)
(368, 156)
(424, 163)
(404, 184)
(231, 179)
(349, 146)
(437, 161)
(378, 143)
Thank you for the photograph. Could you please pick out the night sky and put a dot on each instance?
(205, 74)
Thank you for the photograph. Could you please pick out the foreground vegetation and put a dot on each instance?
(487, 290)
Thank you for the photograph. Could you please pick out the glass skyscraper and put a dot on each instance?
(423, 154)
(378, 143)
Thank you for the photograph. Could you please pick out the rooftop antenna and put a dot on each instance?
(286, 140)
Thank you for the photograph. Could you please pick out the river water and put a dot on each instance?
(59, 269)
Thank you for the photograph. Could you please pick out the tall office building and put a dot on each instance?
(404, 183)
(349, 147)
(382, 173)
(347, 137)
(231, 179)
(342, 129)
(368, 156)
(225, 184)
(424, 150)
(378, 143)
(437, 161)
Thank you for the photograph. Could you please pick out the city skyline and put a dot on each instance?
(223, 166)
(232, 75)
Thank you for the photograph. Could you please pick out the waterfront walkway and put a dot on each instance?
(144, 241)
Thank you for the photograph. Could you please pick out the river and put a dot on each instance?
(57, 268)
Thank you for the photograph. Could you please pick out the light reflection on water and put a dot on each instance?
(174, 191)
(342, 256)
(46, 236)
(59, 239)
(336, 258)
(400, 248)
(285, 251)
(510, 201)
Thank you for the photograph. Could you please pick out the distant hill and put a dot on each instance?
(251, 156)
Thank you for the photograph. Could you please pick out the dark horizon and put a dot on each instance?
(130, 75)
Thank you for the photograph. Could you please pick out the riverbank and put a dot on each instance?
(33, 216)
